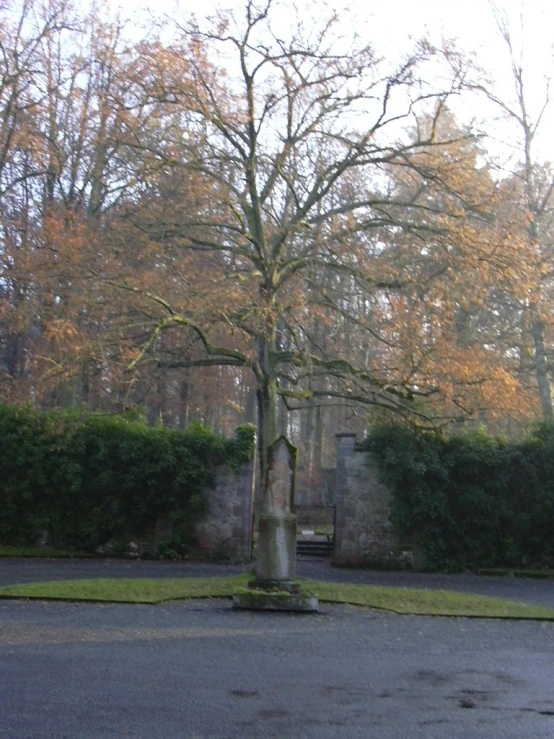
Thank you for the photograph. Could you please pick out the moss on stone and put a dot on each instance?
(274, 600)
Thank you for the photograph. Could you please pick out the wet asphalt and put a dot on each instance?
(200, 670)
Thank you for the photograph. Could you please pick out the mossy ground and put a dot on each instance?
(274, 600)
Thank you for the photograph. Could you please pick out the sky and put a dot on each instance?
(472, 23)
(392, 25)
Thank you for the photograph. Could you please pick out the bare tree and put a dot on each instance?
(294, 145)
(528, 194)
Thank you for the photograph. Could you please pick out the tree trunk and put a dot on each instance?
(266, 395)
(267, 427)
(541, 365)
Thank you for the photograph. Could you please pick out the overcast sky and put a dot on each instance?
(392, 22)
(391, 25)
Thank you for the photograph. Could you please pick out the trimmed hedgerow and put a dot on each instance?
(470, 501)
(89, 478)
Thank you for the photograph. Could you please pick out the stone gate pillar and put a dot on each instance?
(346, 447)
(364, 534)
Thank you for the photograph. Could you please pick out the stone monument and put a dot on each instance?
(273, 587)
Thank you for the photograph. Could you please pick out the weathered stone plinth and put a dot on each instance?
(281, 600)
(283, 585)
(273, 588)
(276, 561)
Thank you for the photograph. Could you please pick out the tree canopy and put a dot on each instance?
(226, 220)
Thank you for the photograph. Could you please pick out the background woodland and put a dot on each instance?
(210, 222)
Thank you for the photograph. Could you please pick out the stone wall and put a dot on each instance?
(226, 532)
(363, 533)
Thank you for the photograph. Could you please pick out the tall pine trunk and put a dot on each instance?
(541, 365)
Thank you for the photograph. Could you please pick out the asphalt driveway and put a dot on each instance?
(200, 670)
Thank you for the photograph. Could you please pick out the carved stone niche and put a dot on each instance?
(281, 477)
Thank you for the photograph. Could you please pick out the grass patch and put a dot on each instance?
(500, 572)
(425, 602)
(398, 600)
(139, 590)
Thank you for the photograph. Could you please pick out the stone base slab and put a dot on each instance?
(274, 585)
(281, 600)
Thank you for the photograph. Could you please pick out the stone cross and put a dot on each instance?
(281, 472)
(276, 561)
(273, 587)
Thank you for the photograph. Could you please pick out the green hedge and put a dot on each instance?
(470, 501)
(91, 478)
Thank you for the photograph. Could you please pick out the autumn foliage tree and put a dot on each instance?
(315, 211)
(231, 221)
(524, 216)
